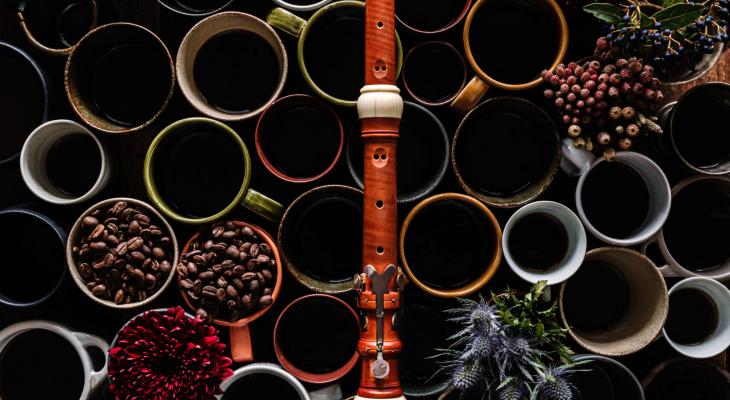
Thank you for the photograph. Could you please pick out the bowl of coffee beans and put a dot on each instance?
(121, 252)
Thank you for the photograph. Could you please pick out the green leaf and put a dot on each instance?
(604, 11)
(679, 15)
(645, 21)
(669, 3)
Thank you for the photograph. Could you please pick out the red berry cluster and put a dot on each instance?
(604, 105)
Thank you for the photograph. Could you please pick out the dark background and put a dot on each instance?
(73, 308)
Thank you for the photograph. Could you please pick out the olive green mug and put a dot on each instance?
(331, 50)
(197, 170)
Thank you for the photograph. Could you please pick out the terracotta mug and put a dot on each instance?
(491, 13)
(431, 17)
(217, 71)
(315, 338)
(336, 76)
(24, 233)
(422, 151)
(56, 27)
(603, 377)
(506, 152)
(302, 6)
(299, 138)
(195, 8)
(434, 73)
(77, 230)
(240, 333)
(25, 99)
(320, 238)
(690, 242)
(626, 226)
(204, 191)
(616, 304)
(40, 159)
(683, 378)
(50, 359)
(119, 78)
(262, 380)
(450, 245)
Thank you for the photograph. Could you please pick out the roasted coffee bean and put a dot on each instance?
(265, 301)
(98, 246)
(238, 284)
(187, 284)
(137, 256)
(135, 243)
(89, 222)
(218, 231)
(245, 247)
(97, 232)
(231, 292)
(221, 282)
(209, 291)
(254, 251)
(142, 219)
(268, 276)
(122, 248)
(150, 280)
(119, 296)
(206, 275)
(98, 290)
(135, 228)
(165, 266)
(232, 252)
(239, 270)
(158, 253)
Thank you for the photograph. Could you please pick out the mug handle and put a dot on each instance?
(97, 377)
(666, 270)
(241, 349)
(575, 161)
(286, 21)
(469, 96)
(263, 205)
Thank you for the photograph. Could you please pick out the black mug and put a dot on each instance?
(422, 153)
(36, 263)
(603, 378)
(686, 378)
(434, 73)
(54, 27)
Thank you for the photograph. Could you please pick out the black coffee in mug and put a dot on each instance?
(40, 364)
(259, 386)
(130, 82)
(693, 316)
(592, 382)
(702, 141)
(318, 335)
(596, 297)
(512, 54)
(615, 199)
(449, 244)
(198, 169)
(73, 164)
(20, 240)
(434, 72)
(538, 241)
(696, 230)
(334, 52)
(429, 15)
(236, 71)
(74, 22)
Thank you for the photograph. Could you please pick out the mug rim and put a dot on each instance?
(241, 322)
(456, 21)
(432, 43)
(563, 33)
(539, 187)
(299, 373)
(266, 368)
(77, 106)
(614, 363)
(282, 102)
(307, 7)
(192, 14)
(73, 267)
(61, 234)
(42, 79)
(490, 269)
(657, 369)
(151, 185)
(30, 178)
(303, 38)
(243, 21)
(51, 50)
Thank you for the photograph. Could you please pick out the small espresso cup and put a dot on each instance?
(698, 143)
(692, 241)
(450, 245)
(303, 6)
(34, 245)
(55, 27)
(63, 163)
(24, 98)
(704, 304)
(331, 49)
(514, 61)
(320, 238)
(434, 73)
(616, 304)
(431, 17)
(299, 138)
(422, 151)
(603, 377)
(682, 378)
(43, 359)
(544, 240)
(315, 338)
(623, 202)
(195, 8)
(231, 66)
(119, 77)
(263, 381)
(506, 152)
(197, 170)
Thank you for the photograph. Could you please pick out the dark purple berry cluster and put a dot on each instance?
(604, 105)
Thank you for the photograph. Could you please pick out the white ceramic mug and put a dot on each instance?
(580, 163)
(80, 341)
(718, 341)
(576, 248)
(313, 5)
(35, 152)
(265, 368)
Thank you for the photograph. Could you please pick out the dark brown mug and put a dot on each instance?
(434, 73)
